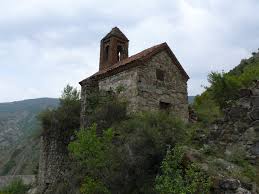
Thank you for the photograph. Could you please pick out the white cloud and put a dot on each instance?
(45, 44)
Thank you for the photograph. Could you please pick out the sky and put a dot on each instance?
(47, 44)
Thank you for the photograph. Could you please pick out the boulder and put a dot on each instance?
(245, 102)
(229, 184)
(254, 114)
(255, 91)
(236, 113)
(242, 191)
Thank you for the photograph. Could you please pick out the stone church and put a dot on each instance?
(152, 79)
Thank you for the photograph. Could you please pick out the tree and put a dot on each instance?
(65, 119)
(95, 154)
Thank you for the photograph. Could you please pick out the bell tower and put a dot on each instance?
(114, 48)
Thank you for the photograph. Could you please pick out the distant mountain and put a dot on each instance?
(19, 134)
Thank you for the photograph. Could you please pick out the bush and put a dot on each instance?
(16, 187)
(65, 119)
(177, 179)
(126, 157)
(224, 89)
(91, 186)
(206, 108)
(237, 154)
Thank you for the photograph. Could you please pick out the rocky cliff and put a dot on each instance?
(236, 139)
(240, 126)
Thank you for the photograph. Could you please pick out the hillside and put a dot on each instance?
(19, 129)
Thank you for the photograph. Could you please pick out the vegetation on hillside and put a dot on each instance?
(177, 179)
(16, 187)
(65, 119)
(224, 87)
(122, 153)
(148, 152)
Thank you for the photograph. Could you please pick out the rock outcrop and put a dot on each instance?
(240, 125)
(237, 132)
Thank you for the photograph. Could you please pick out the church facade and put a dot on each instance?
(152, 80)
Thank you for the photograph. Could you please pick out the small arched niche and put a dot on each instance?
(119, 52)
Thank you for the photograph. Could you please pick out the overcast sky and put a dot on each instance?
(46, 44)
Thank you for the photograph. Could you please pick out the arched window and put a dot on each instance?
(106, 54)
(119, 52)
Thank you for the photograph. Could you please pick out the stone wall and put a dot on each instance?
(173, 89)
(127, 81)
(240, 125)
(53, 163)
(143, 91)
(89, 86)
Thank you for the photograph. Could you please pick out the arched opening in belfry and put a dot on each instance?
(106, 53)
(119, 53)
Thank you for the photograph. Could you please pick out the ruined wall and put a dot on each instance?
(88, 88)
(172, 90)
(240, 127)
(53, 163)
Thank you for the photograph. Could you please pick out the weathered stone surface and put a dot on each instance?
(255, 149)
(242, 191)
(53, 163)
(173, 89)
(230, 184)
(127, 80)
(142, 90)
(255, 101)
(255, 124)
(245, 92)
(254, 114)
(255, 91)
(237, 112)
(33, 191)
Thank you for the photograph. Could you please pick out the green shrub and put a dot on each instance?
(96, 154)
(237, 155)
(206, 108)
(224, 89)
(91, 186)
(126, 157)
(177, 179)
(16, 187)
(63, 120)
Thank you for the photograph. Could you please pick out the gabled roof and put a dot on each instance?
(136, 60)
(117, 33)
